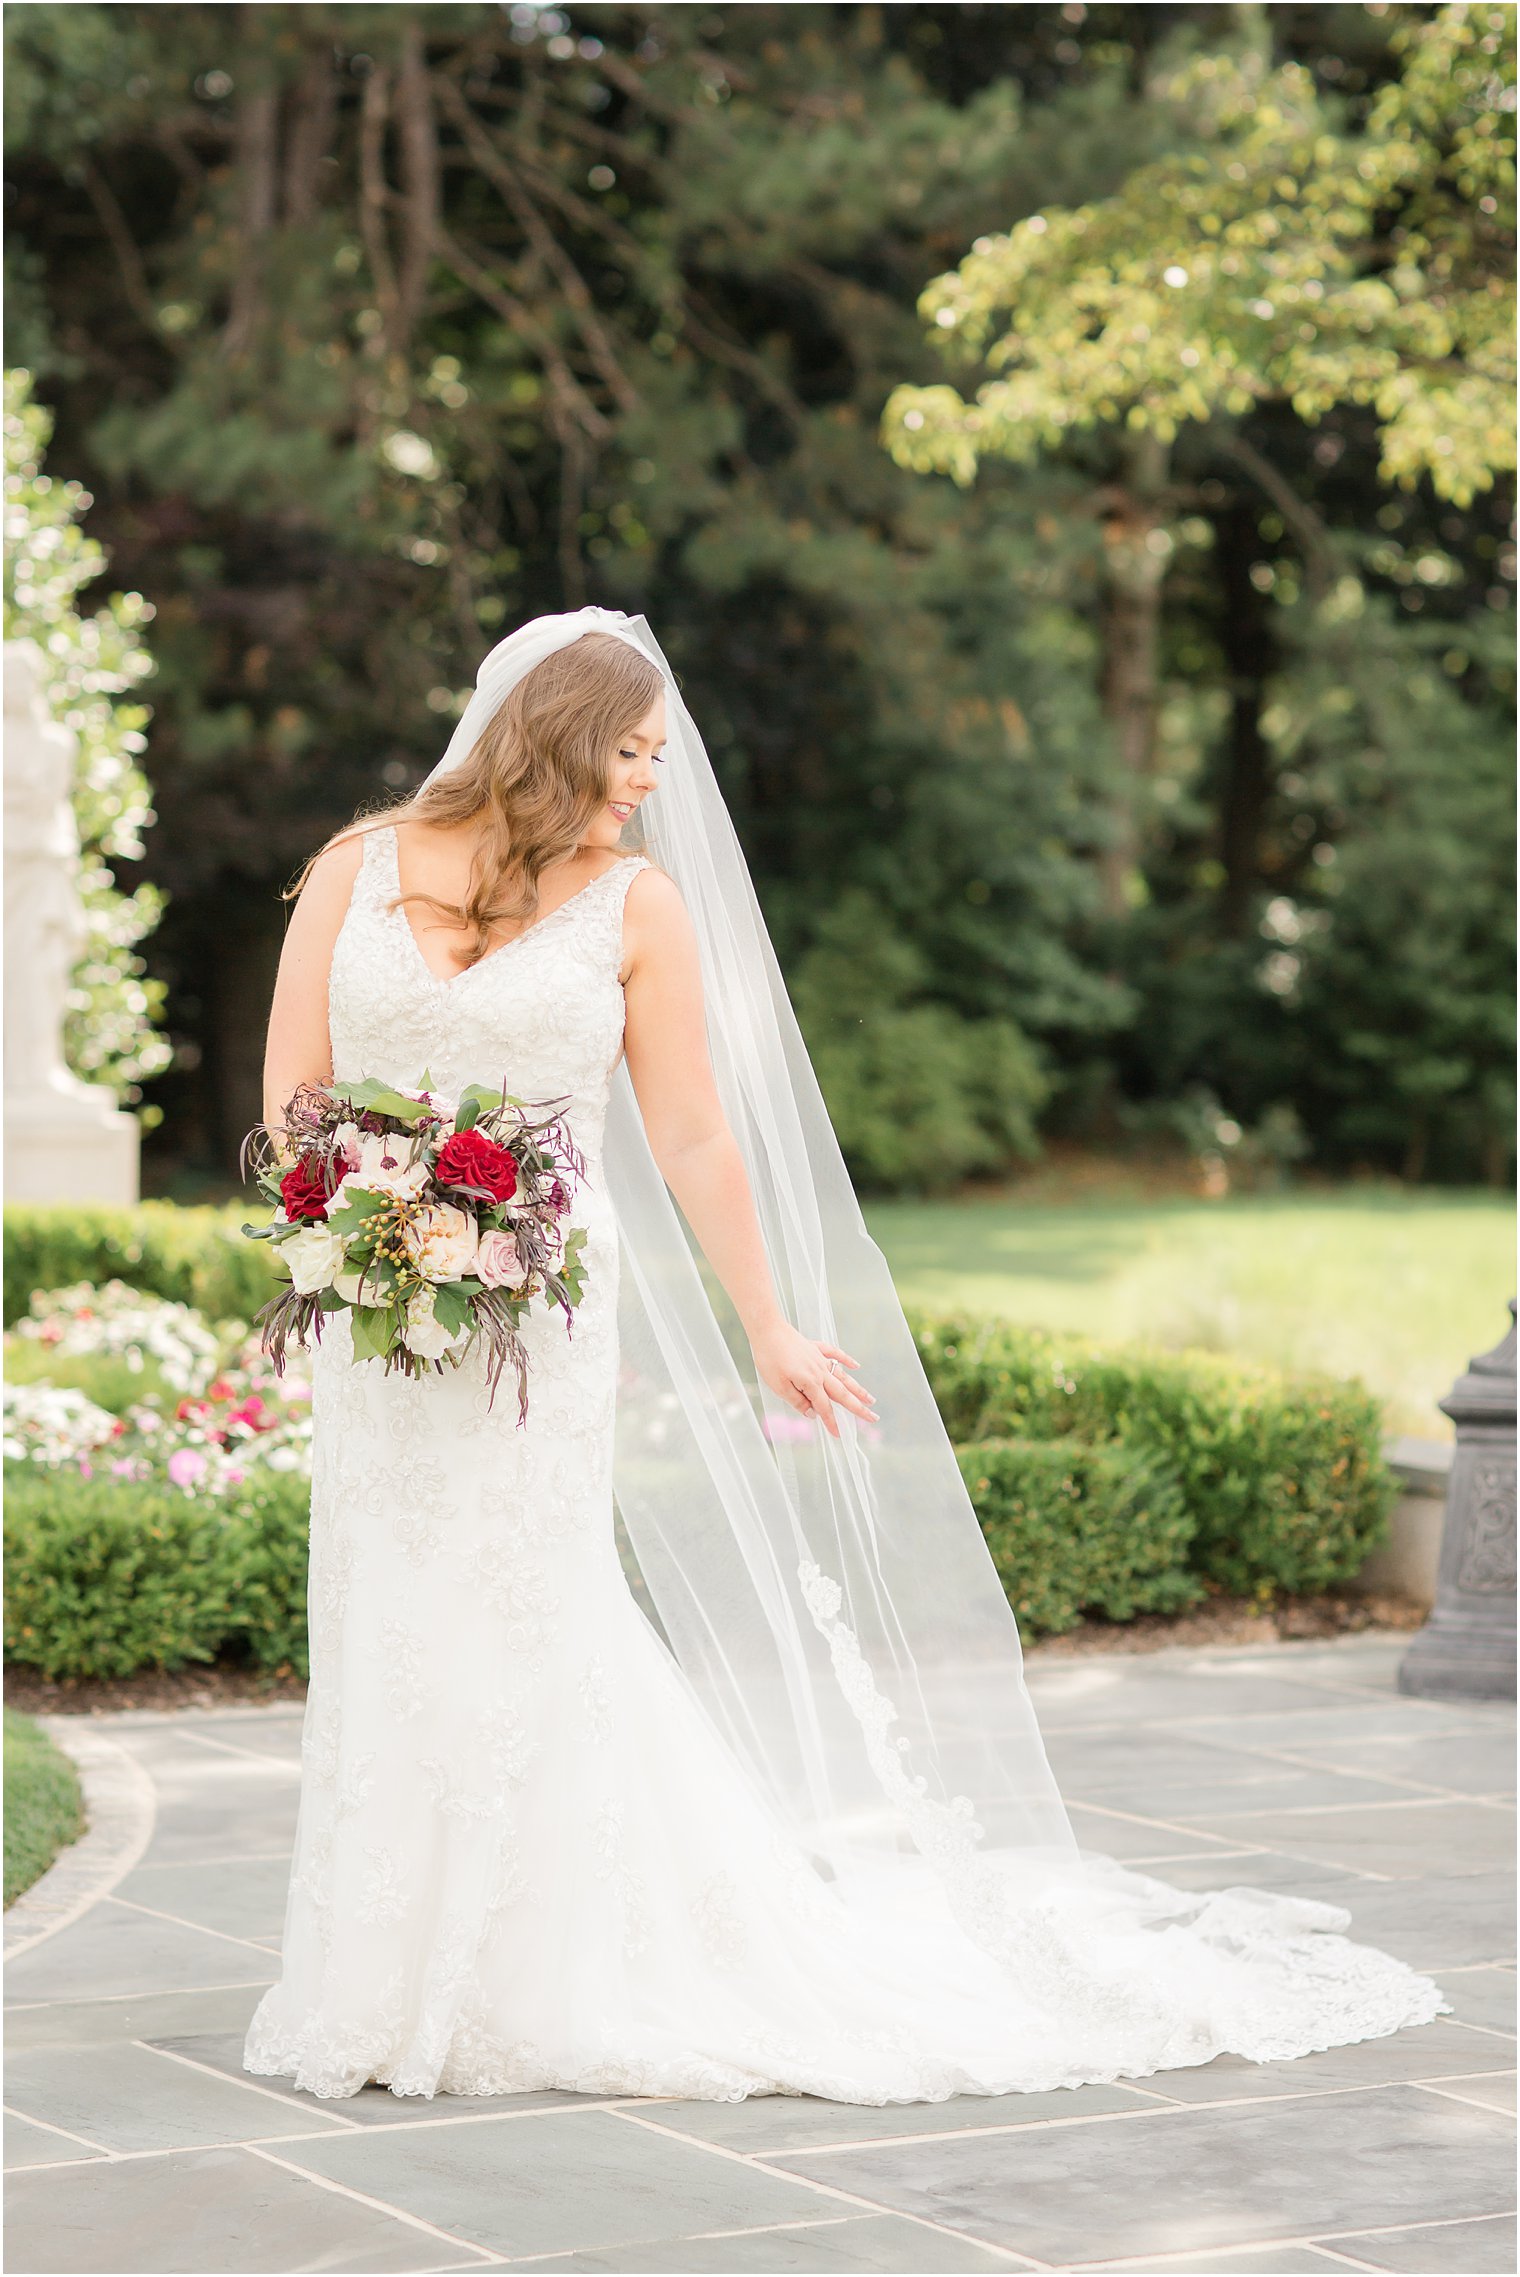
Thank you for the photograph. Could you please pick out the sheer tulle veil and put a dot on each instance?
(832, 1601)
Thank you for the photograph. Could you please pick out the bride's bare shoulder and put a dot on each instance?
(655, 892)
(656, 922)
(334, 870)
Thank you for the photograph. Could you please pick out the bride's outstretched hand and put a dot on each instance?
(810, 1376)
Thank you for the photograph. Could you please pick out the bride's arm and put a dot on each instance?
(299, 1049)
(665, 1042)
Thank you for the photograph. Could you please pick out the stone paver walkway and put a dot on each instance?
(136, 2143)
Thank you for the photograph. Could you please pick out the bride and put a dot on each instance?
(675, 1741)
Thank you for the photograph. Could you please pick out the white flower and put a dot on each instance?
(357, 1288)
(377, 1166)
(441, 1241)
(53, 1426)
(425, 1333)
(130, 1324)
(315, 1258)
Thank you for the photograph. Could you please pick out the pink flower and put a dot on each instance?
(499, 1261)
(787, 1426)
(186, 1466)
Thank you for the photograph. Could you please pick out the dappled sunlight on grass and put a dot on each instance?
(1399, 1289)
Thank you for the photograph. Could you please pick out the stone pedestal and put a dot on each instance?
(65, 1141)
(1466, 1650)
(1407, 1562)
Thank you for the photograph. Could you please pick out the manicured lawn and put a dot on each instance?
(1398, 1289)
(43, 1807)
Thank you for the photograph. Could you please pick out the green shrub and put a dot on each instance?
(1076, 1529)
(196, 1256)
(266, 1572)
(106, 1576)
(44, 1808)
(1283, 1477)
(918, 1095)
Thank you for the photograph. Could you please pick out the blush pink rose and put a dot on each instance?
(499, 1261)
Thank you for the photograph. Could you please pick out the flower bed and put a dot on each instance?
(211, 1412)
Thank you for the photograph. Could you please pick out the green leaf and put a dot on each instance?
(452, 1307)
(379, 1099)
(375, 1329)
(358, 1205)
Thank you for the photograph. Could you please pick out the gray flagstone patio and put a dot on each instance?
(135, 2143)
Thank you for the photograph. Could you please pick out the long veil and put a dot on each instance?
(832, 1601)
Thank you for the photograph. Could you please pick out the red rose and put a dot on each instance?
(304, 1189)
(470, 1159)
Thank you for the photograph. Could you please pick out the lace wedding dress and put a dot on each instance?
(525, 1857)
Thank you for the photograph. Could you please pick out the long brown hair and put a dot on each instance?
(538, 775)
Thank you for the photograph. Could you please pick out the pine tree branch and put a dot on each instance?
(519, 318)
(129, 260)
(546, 246)
(1314, 543)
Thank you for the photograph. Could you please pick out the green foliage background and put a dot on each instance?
(1145, 769)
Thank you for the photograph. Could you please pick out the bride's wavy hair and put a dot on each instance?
(539, 774)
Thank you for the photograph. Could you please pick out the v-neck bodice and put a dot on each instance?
(543, 1013)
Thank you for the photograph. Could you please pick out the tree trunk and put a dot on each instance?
(255, 163)
(1135, 559)
(419, 184)
(308, 141)
(1245, 639)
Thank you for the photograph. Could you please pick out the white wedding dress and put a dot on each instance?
(525, 1857)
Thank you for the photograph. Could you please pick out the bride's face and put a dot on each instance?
(634, 768)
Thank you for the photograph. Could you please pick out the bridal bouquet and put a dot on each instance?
(431, 1222)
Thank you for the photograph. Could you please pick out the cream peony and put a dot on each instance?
(314, 1257)
(425, 1333)
(442, 1242)
(500, 1262)
(377, 1166)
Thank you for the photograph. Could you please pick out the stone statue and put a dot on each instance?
(64, 1139)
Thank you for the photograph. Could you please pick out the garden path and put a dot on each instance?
(135, 2142)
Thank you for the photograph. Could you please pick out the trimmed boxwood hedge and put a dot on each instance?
(193, 1256)
(106, 1576)
(1106, 1479)
(1283, 1477)
(1077, 1529)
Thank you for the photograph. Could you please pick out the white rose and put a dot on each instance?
(314, 1257)
(441, 1241)
(349, 1289)
(425, 1333)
